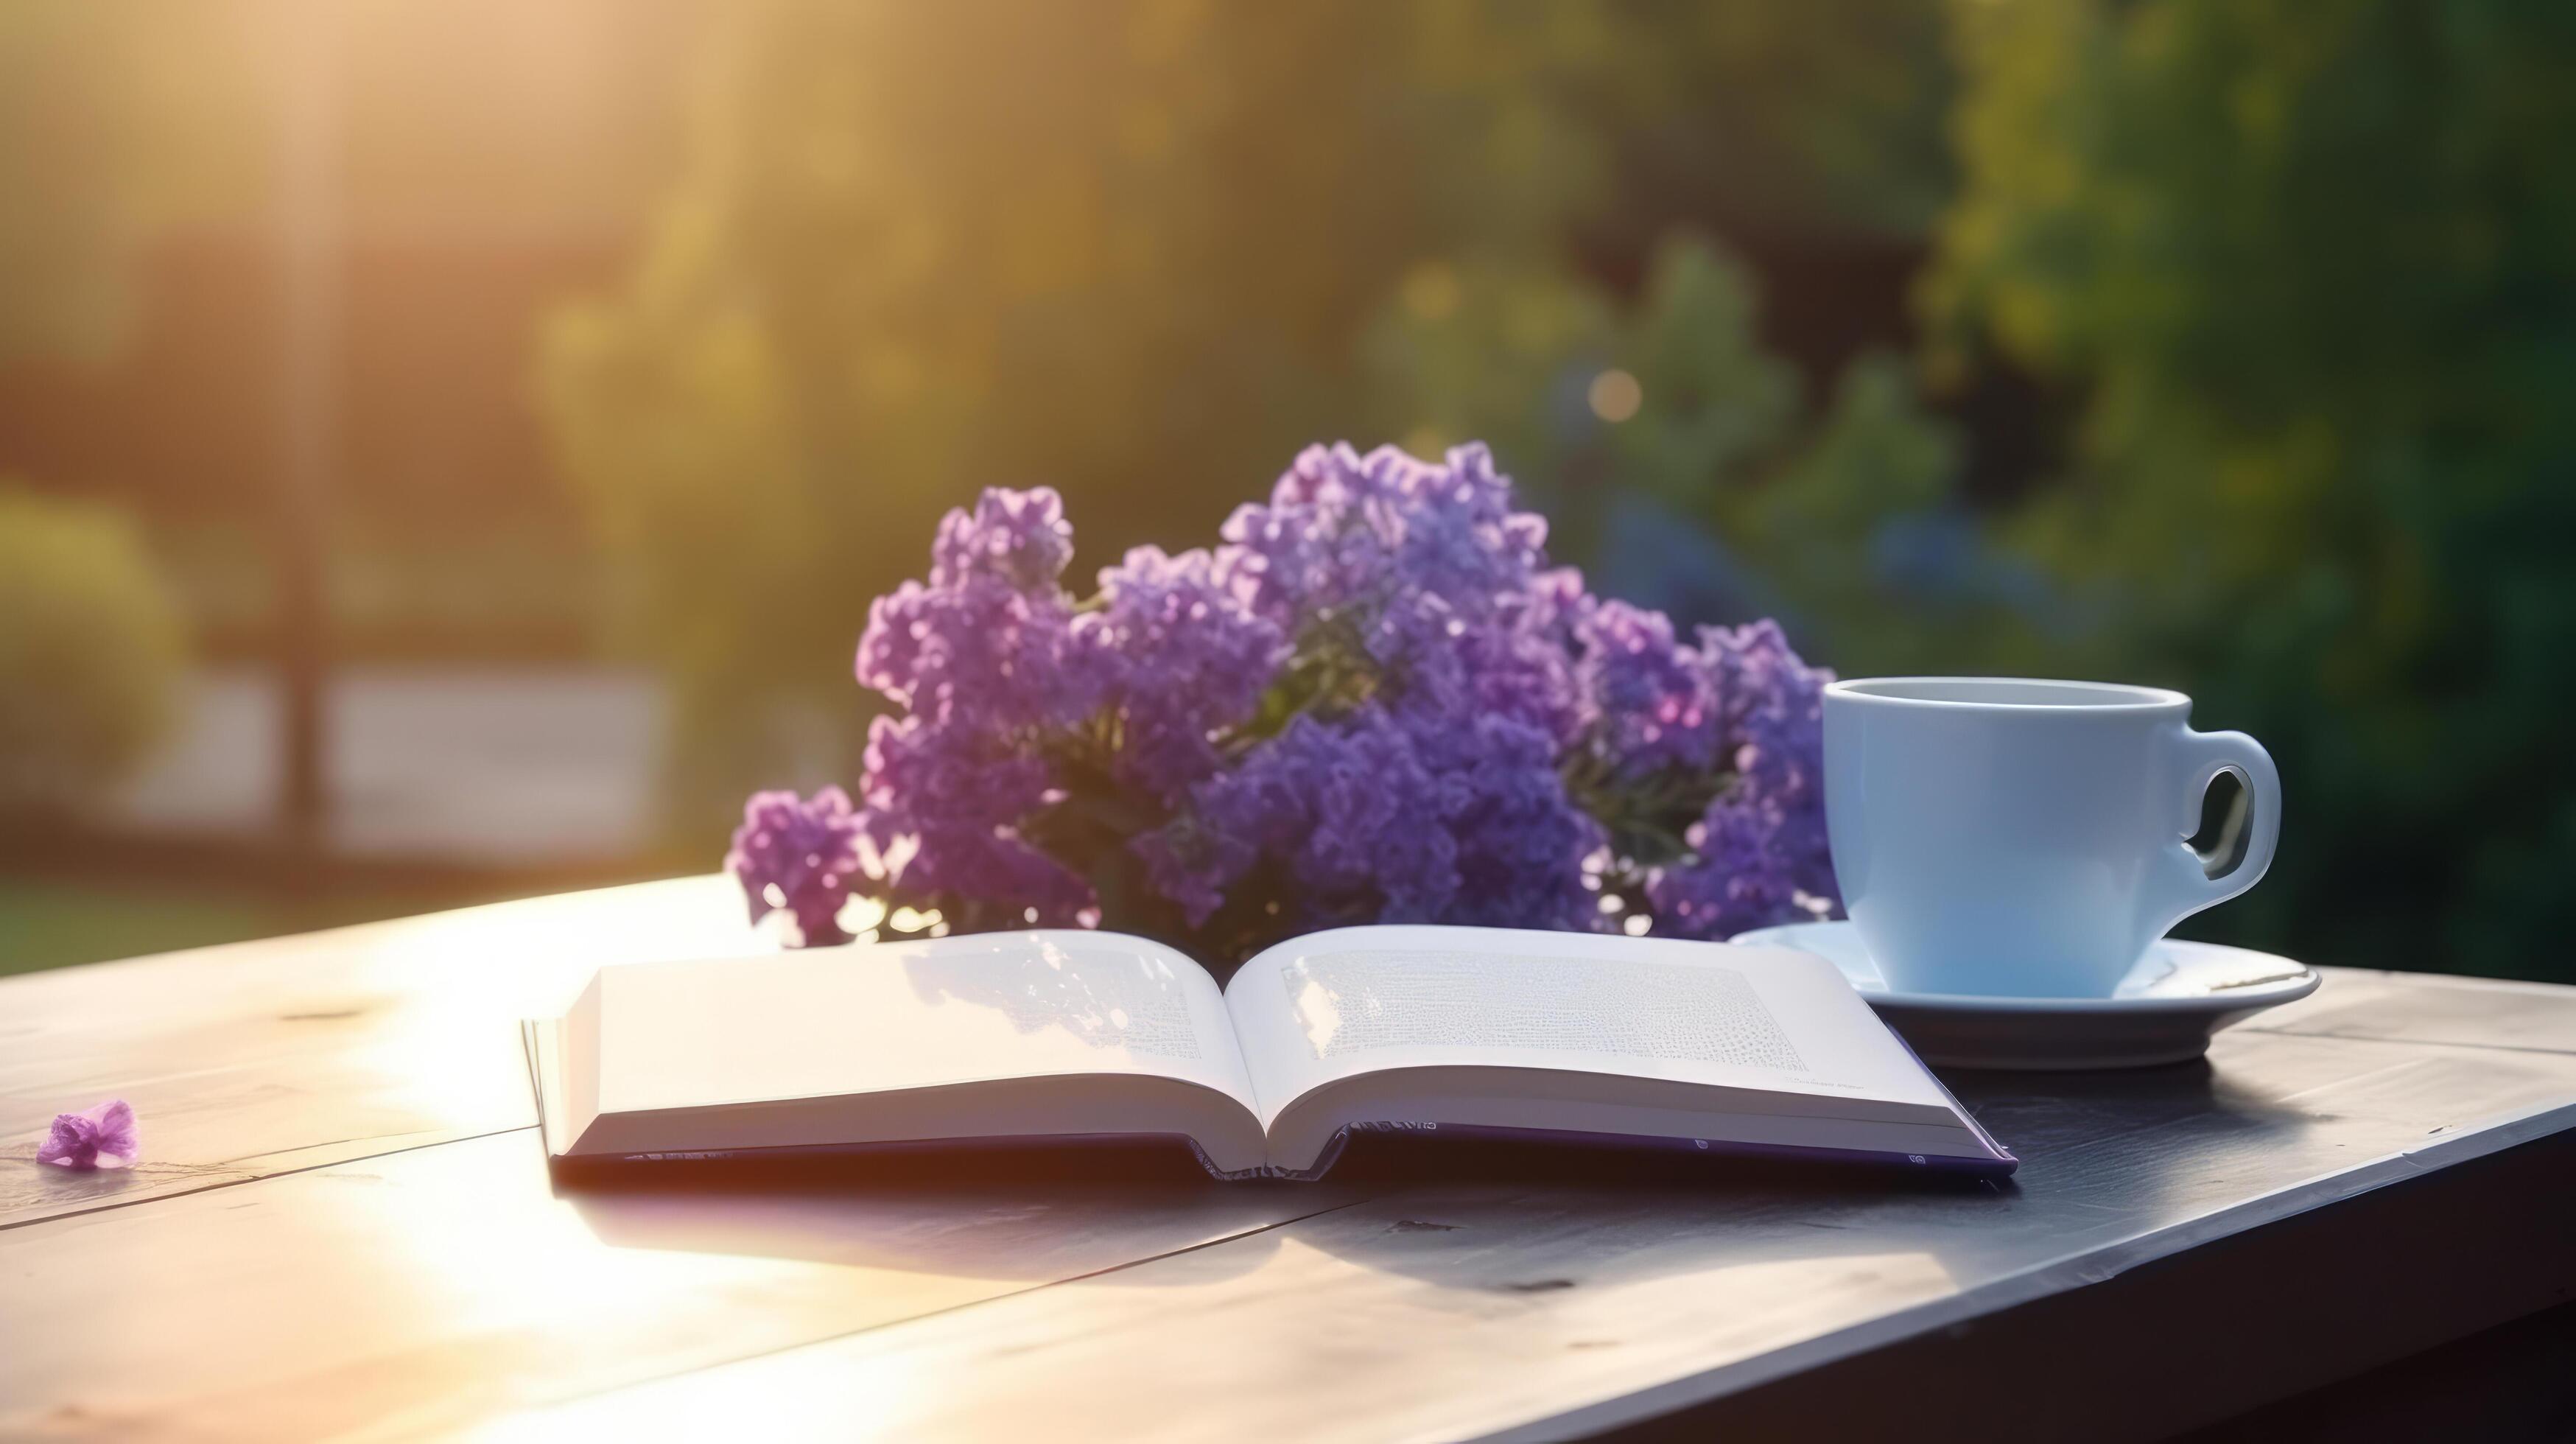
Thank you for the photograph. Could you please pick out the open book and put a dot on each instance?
(1058, 1035)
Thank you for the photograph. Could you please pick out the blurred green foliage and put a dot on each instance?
(1129, 250)
(90, 647)
(2286, 288)
(1807, 493)
(2312, 266)
(922, 249)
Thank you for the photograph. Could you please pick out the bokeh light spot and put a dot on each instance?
(1431, 291)
(1616, 396)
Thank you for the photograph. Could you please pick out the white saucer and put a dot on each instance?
(2164, 1012)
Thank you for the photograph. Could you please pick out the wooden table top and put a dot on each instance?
(344, 1226)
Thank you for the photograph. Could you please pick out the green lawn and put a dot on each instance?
(47, 924)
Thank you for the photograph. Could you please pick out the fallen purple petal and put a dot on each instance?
(100, 1137)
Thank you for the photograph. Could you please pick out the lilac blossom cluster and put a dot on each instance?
(1374, 700)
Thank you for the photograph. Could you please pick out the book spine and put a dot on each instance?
(1322, 1165)
(1940, 1163)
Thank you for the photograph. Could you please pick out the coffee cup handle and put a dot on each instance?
(2195, 759)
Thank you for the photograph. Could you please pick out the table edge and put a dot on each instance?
(2039, 1281)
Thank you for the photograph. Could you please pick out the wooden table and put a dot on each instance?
(344, 1227)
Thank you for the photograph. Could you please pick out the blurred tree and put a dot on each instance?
(89, 650)
(1499, 351)
(101, 140)
(1817, 123)
(919, 250)
(1844, 518)
(2314, 266)
(1130, 249)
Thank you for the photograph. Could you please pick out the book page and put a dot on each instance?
(880, 1017)
(1332, 1005)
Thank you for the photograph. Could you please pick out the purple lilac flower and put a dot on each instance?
(1419, 816)
(1182, 657)
(1306, 551)
(1777, 703)
(1497, 663)
(945, 804)
(1653, 701)
(988, 643)
(1451, 803)
(1448, 585)
(796, 857)
(1455, 533)
(977, 653)
(1520, 840)
(1342, 805)
(1761, 852)
(1190, 867)
(1019, 538)
(1371, 811)
(1344, 530)
(1444, 682)
(99, 1137)
(1737, 883)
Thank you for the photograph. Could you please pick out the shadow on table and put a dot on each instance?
(1052, 1213)
(1436, 1208)
(2038, 1113)
(1512, 1220)
(2096, 1151)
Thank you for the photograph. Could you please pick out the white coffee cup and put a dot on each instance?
(2005, 837)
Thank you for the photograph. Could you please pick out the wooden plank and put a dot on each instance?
(2325, 1297)
(259, 1058)
(2432, 1008)
(425, 1290)
(1448, 1310)
(431, 1289)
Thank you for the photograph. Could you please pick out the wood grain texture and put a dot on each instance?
(259, 1058)
(1459, 1310)
(345, 1228)
(2424, 1008)
(433, 1288)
